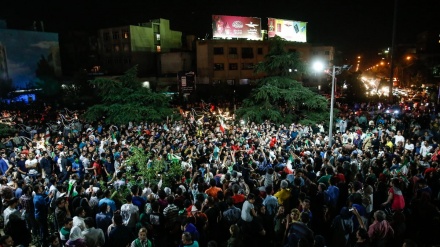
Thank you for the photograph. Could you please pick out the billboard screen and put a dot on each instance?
(225, 26)
(287, 29)
(23, 52)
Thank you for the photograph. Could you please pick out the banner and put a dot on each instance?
(225, 26)
(290, 30)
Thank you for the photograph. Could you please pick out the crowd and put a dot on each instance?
(245, 184)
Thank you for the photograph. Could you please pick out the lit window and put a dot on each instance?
(125, 35)
(158, 48)
(116, 48)
(158, 37)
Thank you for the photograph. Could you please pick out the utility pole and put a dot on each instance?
(393, 44)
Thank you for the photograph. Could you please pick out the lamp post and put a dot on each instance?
(318, 66)
(332, 104)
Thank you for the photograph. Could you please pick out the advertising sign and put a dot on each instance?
(287, 29)
(187, 81)
(225, 26)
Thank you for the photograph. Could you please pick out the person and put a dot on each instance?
(187, 241)
(142, 240)
(299, 231)
(108, 200)
(234, 240)
(62, 211)
(11, 210)
(54, 241)
(120, 235)
(380, 231)
(65, 230)
(395, 196)
(76, 239)
(78, 220)
(6, 241)
(103, 219)
(41, 205)
(93, 236)
(18, 230)
(129, 213)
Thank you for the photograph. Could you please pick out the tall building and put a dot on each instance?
(233, 61)
(121, 48)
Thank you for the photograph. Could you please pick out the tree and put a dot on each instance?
(6, 130)
(278, 96)
(124, 99)
(152, 170)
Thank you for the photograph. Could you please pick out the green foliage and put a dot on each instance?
(278, 61)
(124, 100)
(6, 130)
(152, 170)
(278, 97)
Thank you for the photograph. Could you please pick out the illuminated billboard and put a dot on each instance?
(287, 29)
(225, 27)
(23, 53)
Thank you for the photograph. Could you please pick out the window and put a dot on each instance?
(126, 47)
(125, 35)
(233, 66)
(158, 48)
(247, 66)
(157, 36)
(260, 51)
(233, 51)
(327, 53)
(315, 53)
(108, 49)
(219, 66)
(115, 35)
(116, 48)
(218, 50)
(109, 61)
(106, 36)
(247, 52)
(126, 61)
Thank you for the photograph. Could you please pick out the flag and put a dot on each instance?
(222, 126)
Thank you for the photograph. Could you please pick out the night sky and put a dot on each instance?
(353, 26)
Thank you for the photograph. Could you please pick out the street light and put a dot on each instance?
(319, 66)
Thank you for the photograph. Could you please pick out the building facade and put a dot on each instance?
(121, 48)
(233, 61)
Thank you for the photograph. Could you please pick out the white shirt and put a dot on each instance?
(398, 138)
(409, 146)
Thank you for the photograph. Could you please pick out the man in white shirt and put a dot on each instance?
(425, 149)
(399, 138)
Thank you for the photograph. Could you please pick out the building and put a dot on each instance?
(233, 61)
(326, 56)
(121, 48)
(428, 51)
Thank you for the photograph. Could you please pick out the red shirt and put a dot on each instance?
(97, 167)
(238, 198)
